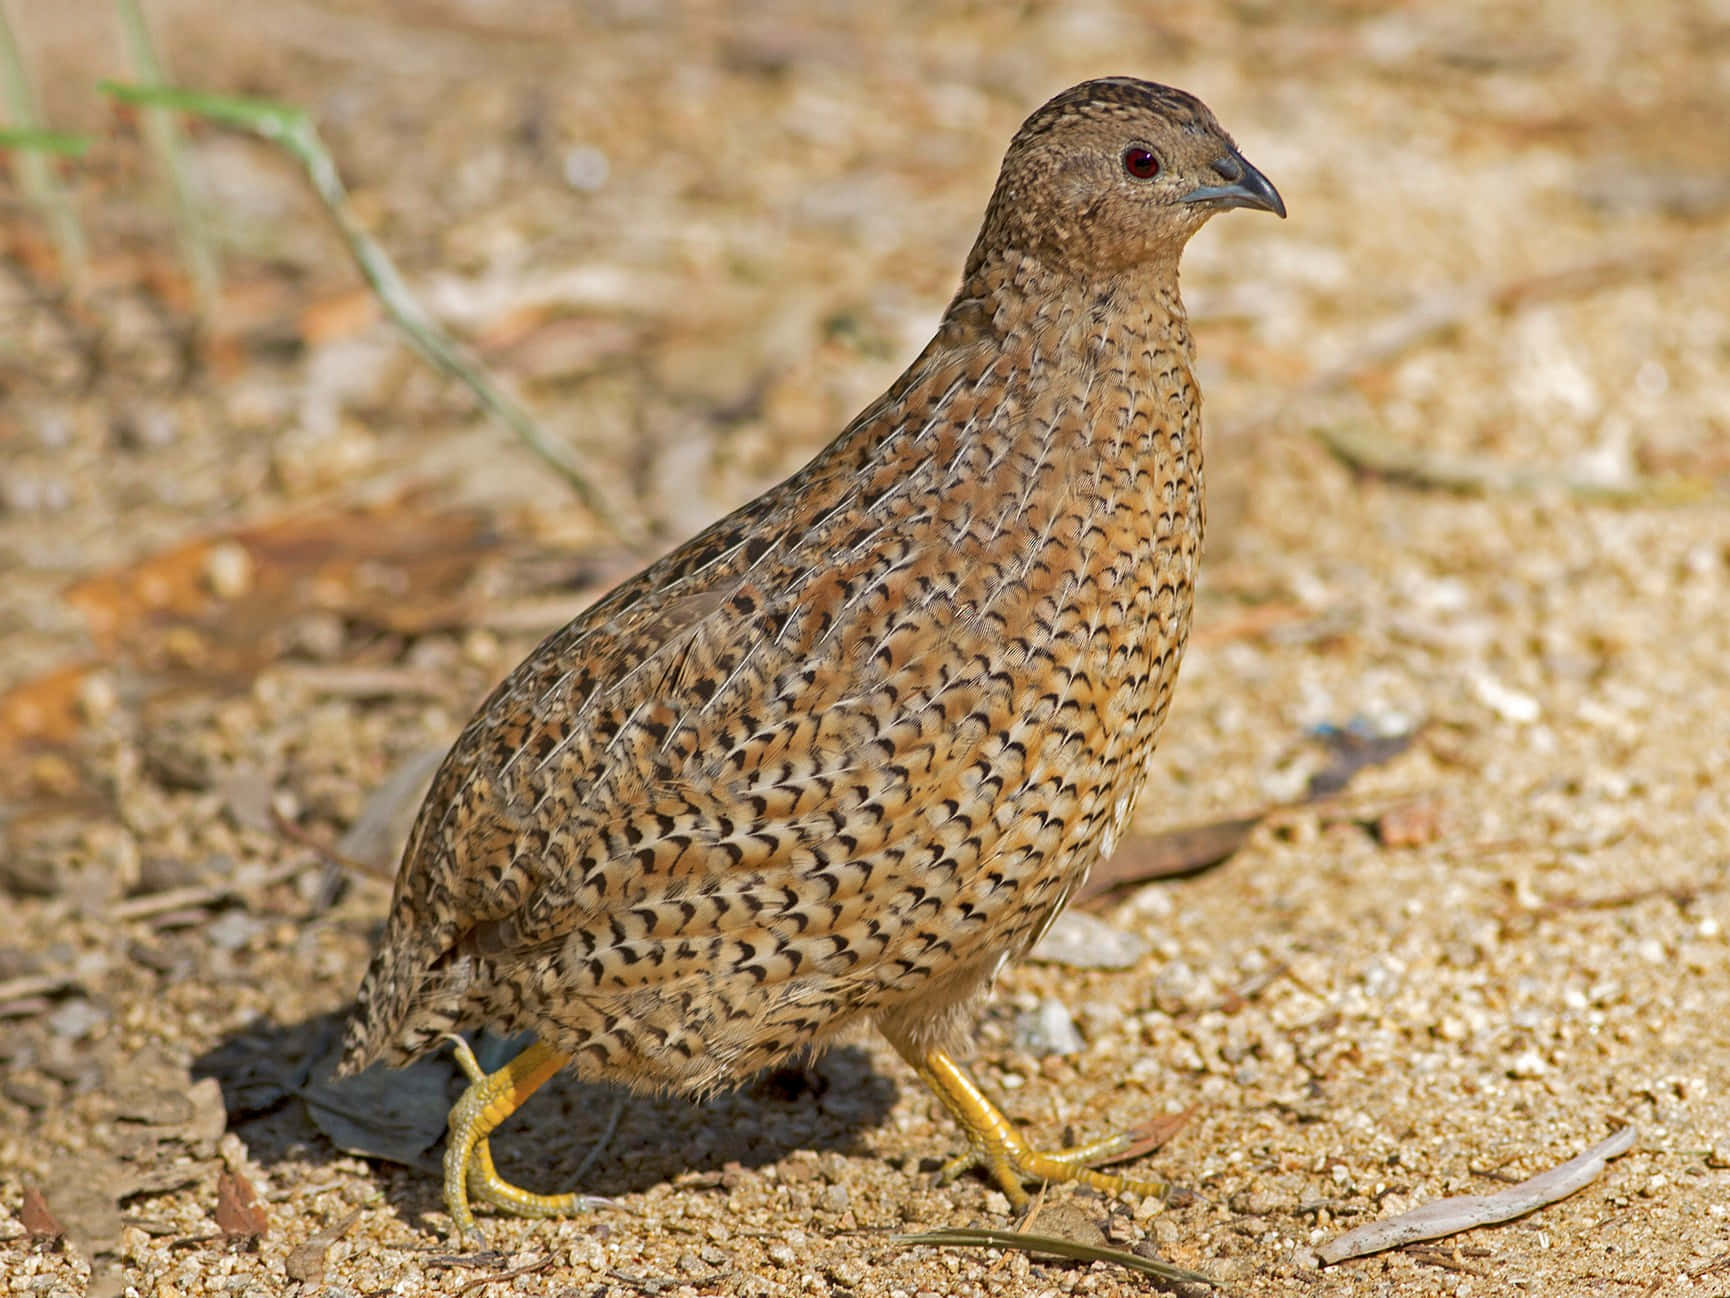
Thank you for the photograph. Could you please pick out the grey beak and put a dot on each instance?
(1244, 187)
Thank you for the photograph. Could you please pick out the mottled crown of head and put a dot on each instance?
(1125, 98)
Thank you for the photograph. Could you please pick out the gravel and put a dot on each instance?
(263, 590)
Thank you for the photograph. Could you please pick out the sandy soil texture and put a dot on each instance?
(1469, 457)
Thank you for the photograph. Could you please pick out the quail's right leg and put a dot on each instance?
(469, 1170)
(1000, 1150)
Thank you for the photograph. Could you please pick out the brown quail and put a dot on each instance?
(846, 753)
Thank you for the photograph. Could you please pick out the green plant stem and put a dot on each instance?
(292, 129)
(35, 169)
(163, 132)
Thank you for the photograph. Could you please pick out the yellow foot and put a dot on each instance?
(999, 1150)
(469, 1170)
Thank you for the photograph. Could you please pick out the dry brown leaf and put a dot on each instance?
(395, 564)
(239, 1214)
(39, 1221)
(43, 711)
(1144, 857)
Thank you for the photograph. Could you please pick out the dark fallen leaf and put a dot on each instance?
(305, 1262)
(259, 1069)
(1142, 858)
(1149, 1136)
(39, 1222)
(1352, 751)
(389, 1113)
(239, 1214)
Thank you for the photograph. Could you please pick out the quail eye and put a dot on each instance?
(1140, 163)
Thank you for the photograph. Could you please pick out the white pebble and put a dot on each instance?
(586, 168)
(1528, 1063)
(1505, 701)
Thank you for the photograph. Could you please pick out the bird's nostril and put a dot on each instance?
(1229, 169)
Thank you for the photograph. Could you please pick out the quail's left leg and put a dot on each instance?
(999, 1149)
(469, 1170)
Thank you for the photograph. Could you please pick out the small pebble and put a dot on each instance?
(1177, 988)
(848, 1272)
(586, 168)
(228, 570)
(1255, 1203)
(233, 930)
(1082, 941)
(1048, 1030)
(1528, 1063)
(97, 697)
(76, 1019)
(1505, 701)
(22, 495)
(53, 429)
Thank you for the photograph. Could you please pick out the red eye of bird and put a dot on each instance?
(1140, 163)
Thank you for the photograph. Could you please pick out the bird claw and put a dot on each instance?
(1014, 1165)
(998, 1148)
(470, 1175)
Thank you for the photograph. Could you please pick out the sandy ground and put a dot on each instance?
(698, 240)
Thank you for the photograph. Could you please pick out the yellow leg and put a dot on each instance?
(999, 1149)
(469, 1170)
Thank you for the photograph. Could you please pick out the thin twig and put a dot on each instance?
(1054, 1246)
(1434, 318)
(1683, 895)
(30, 985)
(292, 129)
(199, 896)
(1372, 451)
(529, 1269)
(1446, 1261)
(163, 132)
(332, 858)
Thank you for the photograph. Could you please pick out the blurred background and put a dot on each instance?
(1469, 456)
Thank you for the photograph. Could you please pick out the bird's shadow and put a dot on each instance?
(278, 1094)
